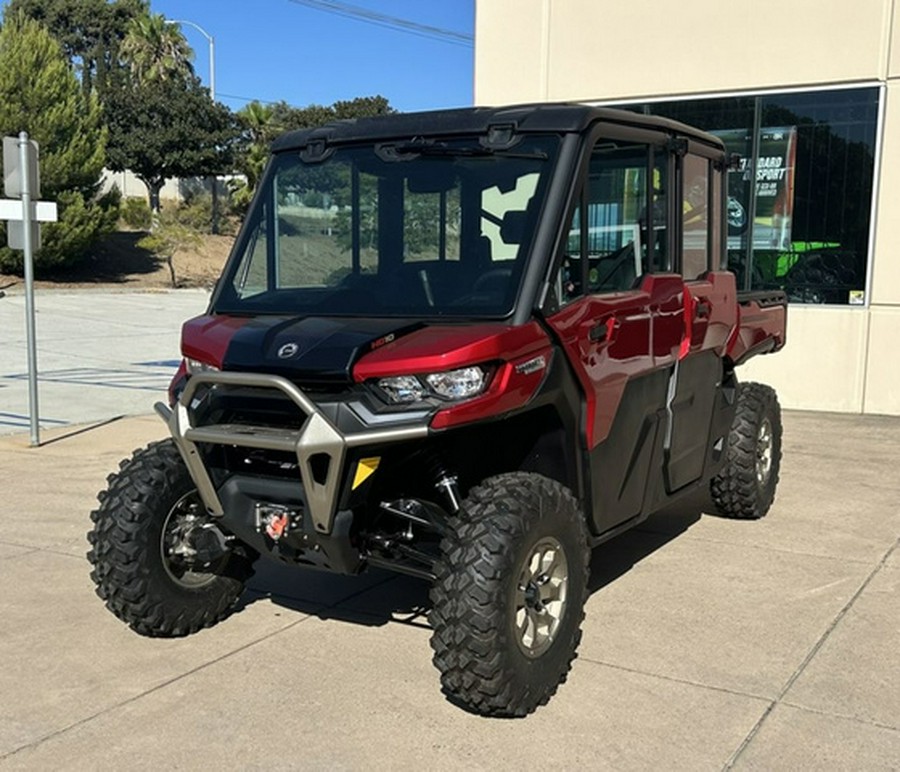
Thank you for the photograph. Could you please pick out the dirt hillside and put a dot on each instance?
(118, 263)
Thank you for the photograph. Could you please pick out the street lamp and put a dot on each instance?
(212, 93)
(212, 52)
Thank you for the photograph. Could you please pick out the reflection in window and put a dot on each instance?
(695, 217)
(799, 207)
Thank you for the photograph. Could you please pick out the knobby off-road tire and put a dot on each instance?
(508, 600)
(133, 572)
(745, 487)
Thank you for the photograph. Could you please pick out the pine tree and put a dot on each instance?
(40, 94)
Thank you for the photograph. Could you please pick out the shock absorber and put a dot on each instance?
(445, 483)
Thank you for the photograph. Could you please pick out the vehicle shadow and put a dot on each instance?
(372, 599)
(616, 557)
(379, 597)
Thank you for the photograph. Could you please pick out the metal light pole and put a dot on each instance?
(212, 93)
(29, 291)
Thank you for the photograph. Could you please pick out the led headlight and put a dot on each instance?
(195, 366)
(402, 389)
(457, 384)
(452, 385)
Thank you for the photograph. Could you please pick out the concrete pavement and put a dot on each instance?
(100, 353)
(708, 644)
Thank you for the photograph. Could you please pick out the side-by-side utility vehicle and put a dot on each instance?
(468, 346)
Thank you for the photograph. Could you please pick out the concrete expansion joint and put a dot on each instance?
(180, 677)
(673, 679)
(152, 690)
(845, 716)
(31, 549)
(810, 655)
(769, 548)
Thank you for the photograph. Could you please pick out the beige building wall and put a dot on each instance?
(131, 187)
(837, 358)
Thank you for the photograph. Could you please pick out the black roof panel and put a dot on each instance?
(529, 118)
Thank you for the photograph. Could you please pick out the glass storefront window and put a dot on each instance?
(799, 205)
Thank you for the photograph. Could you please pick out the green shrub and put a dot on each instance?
(136, 214)
(111, 200)
(168, 237)
(81, 224)
(196, 213)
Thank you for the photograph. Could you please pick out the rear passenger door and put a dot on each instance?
(709, 314)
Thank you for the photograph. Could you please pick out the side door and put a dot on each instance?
(618, 310)
(710, 312)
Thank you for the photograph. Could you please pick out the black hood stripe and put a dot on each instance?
(312, 349)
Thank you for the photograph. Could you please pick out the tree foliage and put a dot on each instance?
(40, 94)
(155, 49)
(162, 122)
(168, 128)
(263, 123)
(90, 32)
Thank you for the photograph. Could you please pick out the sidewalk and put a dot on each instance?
(708, 644)
(100, 353)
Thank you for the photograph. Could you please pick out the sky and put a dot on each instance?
(274, 50)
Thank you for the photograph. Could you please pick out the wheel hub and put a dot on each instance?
(764, 452)
(541, 597)
(178, 542)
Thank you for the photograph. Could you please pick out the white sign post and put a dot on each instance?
(21, 180)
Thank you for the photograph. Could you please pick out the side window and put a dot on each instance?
(618, 230)
(250, 278)
(695, 217)
(657, 220)
(719, 261)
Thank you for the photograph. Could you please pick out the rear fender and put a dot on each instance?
(761, 327)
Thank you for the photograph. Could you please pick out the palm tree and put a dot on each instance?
(262, 126)
(156, 49)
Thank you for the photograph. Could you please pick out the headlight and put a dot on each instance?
(457, 384)
(454, 385)
(195, 366)
(402, 388)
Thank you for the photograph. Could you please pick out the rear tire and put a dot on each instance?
(509, 597)
(745, 486)
(136, 571)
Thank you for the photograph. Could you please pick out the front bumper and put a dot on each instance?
(320, 447)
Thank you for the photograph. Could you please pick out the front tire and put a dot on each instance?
(509, 597)
(745, 486)
(138, 530)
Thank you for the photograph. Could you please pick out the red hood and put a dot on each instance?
(447, 347)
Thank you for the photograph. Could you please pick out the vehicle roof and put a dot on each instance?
(528, 118)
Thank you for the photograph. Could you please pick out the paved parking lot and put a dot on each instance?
(708, 644)
(100, 353)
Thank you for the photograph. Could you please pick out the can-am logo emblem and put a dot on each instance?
(288, 350)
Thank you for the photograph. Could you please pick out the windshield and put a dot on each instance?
(428, 228)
